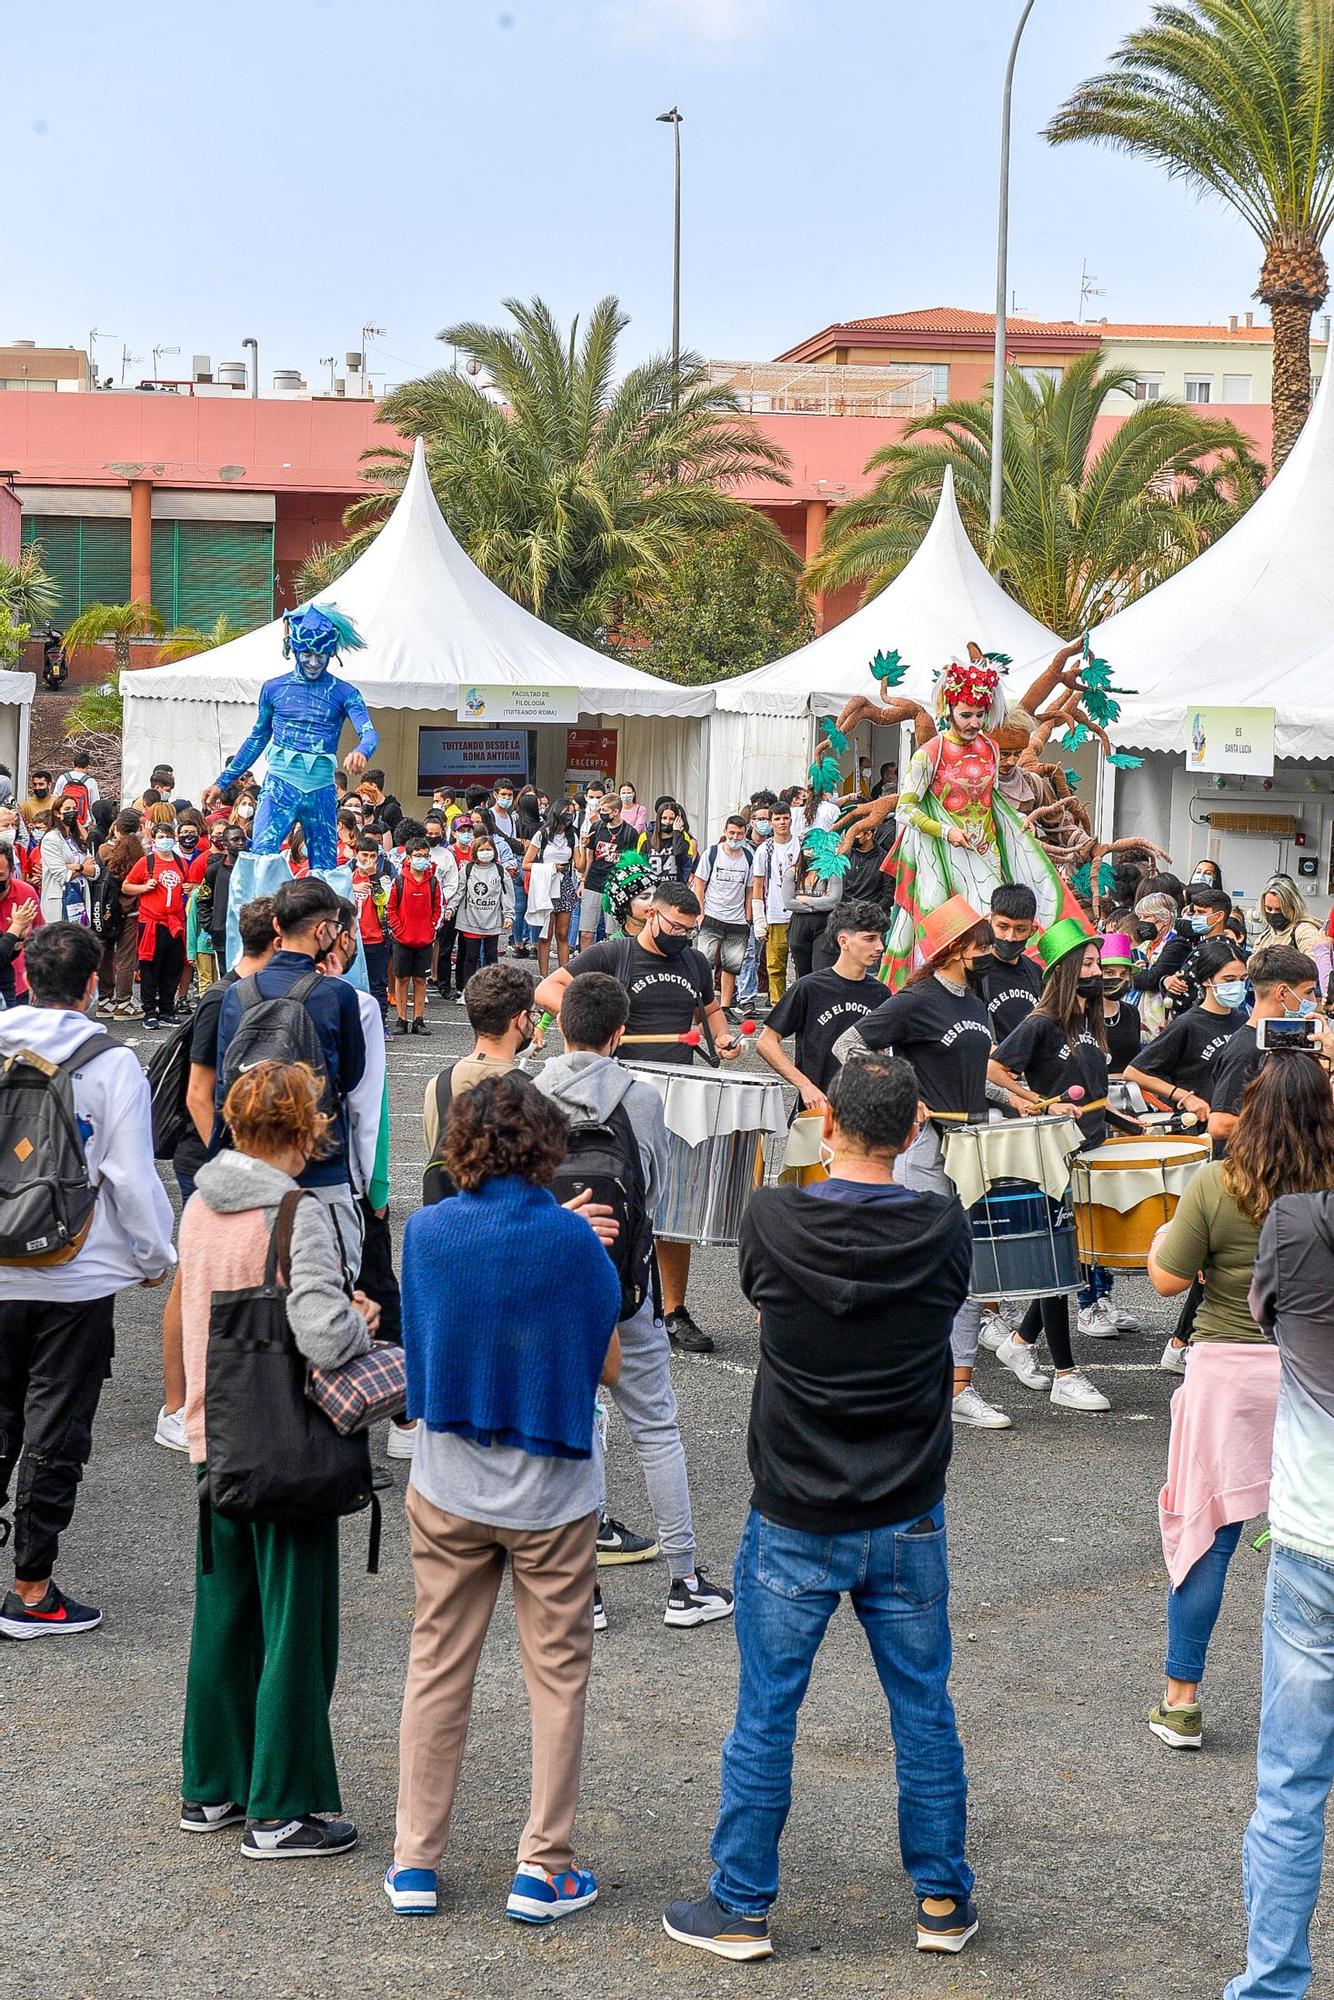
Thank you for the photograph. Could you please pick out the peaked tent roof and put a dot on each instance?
(431, 621)
(1250, 623)
(941, 599)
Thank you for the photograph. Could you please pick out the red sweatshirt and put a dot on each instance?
(414, 908)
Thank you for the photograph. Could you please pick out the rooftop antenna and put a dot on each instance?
(1089, 288)
(127, 361)
(93, 337)
(330, 362)
(158, 352)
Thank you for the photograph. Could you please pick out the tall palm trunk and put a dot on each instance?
(1294, 284)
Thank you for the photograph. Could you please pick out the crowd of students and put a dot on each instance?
(869, 1340)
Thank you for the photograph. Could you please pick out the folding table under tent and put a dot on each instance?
(432, 624)
(761, 731)
(1248, 624)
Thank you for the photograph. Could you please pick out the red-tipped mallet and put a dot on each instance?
(691, 1038)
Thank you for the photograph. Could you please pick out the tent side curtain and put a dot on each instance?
(746, 753)
(663, 756)
(195, 737)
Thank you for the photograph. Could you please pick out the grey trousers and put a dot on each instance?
(922, 1167)
(645, 1398)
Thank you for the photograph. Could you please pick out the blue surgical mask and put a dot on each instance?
(763, 826)
(1199, 925)
(1230, 993)
(1302, 1010)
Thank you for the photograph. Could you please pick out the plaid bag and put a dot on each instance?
(364, 1389)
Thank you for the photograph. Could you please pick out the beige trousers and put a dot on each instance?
(775, 959)
(457, 1566)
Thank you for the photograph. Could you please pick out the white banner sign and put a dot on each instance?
(518, 704)
(1231, 739)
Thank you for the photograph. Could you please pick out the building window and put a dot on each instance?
(1199, 388)
(940, 381)
(206, 569)
(88, 558)
(1035, 377)
(1236, 388)
(1148, 388)
(24, 382)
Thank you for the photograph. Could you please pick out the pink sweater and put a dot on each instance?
(219, 1253)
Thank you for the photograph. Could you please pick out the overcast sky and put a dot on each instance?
(184, 175)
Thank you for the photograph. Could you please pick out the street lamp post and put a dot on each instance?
(675, 120)
(1003, 281)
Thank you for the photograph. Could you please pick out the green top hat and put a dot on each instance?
(1067, 934)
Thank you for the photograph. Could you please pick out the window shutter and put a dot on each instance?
(223, 568)
(89, 559)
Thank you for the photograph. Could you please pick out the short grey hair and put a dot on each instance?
(1157, 910)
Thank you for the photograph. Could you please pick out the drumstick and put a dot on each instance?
(692, 1036)
(1075, 1095)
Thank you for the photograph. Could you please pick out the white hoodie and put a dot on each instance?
(130, 1236)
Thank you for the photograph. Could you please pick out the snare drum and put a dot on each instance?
(1129, 1098)
(715, 1123)
(802, 1166)
(1125, 1190)
(1014, 1179)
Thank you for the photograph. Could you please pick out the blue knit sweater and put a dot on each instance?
(508, 1305)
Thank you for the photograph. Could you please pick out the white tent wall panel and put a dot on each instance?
(195, 737)
(747, 752)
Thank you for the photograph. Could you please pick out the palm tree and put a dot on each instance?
(572, 490)
(118, 623)
(1086, 527)
(27, 590)
(325, 564)
(184, 641)
(1236, 98)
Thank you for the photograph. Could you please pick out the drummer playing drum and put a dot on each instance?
(667, 983)
(1062, 1043)
(938, 1025)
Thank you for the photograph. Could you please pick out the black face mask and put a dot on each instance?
(1091, 988)
(1146, 933)
(1113, 986)
(671, 943)
(1008, 950)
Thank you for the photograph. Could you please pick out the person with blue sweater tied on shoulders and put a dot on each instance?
(504, 1465)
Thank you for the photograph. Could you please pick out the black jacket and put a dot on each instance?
(850, 1424)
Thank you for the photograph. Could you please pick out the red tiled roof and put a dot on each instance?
(1122, 330)
(946, 319)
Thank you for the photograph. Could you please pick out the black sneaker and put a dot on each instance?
(683, 1333)
(210, 1819)
(599, 1610)
(402, 1028)
(419, 1026)
(52, 1613)
(946, 1927)
(297, 1839)
(715, 1929)
(699, 1604)
(151, 1021)
(616, 1544)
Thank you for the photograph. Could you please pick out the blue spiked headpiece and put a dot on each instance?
(324, 631)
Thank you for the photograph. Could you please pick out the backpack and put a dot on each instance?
(46, 1198)
(272, 1454)
(168, 1072)
(437, 1183)
(603, 1155)
(76, 789)
(277, 1030)
(107, 908)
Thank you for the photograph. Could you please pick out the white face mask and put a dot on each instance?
(245, 810)
(826, 1155)
(627, 798)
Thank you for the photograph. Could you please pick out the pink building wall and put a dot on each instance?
(11, 516)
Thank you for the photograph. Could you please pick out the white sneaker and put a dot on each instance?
(1021, 1361)
(398, 1444)
(1125, 1322)
(993, 1331)
(1075, 1392)
(1173, 1360)
(170, 1429)
(974, 1409)
(1098, 1321)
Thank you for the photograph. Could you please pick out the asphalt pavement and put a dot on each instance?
(1108, 1866)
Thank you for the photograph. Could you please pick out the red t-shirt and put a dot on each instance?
(165, 901)
(194, 873)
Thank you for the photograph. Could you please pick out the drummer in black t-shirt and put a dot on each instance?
(822, 1006)
(1178, 1065)
(1006, 978)
(668, 983)
(1062, 1043)
(942, 1029)
(1120, 1016)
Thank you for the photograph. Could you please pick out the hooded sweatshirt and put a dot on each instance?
(1292, 1298)
(225, 1233)
(588, 1088)
(850, 1425)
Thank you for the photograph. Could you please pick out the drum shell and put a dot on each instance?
(706, 1190)
(1120, 1240)
(1024, 1244)
(803, 1125)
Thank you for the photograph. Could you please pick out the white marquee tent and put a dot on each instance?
(431, 622)
(760, 733)
(1250, 623)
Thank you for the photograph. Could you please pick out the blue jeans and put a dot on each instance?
(519, 931)
(1281, 1854)
(788, 1587)
(1193, 1607)
(748, 979)
(1099, 1286)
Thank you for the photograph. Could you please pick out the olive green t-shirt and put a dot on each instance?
(1209, 1233)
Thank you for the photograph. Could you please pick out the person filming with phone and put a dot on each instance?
(1284, 982)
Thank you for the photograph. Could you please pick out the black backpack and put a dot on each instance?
(46, 1198)
(107, 911)
(437, 1184)
(277, 1030)
(168, 1072)
(603, 1156)
(272, 1454)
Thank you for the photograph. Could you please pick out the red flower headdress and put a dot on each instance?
(969, 685)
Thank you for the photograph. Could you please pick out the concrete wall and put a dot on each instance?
(11, 525)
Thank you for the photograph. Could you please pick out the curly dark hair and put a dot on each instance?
(504, 1126)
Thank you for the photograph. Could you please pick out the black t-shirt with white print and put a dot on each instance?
(1049, 1062)
(664, 994)
(606, 845)
(945, 1036)
(1009, 991)
(1187, 1051)
(817, 1009)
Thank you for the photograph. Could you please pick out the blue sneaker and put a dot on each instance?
(411, 1890)
(711, 1927)
(539, 1898)
(944, 1923)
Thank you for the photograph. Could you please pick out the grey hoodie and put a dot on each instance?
(326, 1326)
(590, 1087)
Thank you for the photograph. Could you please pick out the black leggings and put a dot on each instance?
(1052, 1317)
(160, 975)
(475, 952)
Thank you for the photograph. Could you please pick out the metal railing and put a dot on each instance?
(817, 389)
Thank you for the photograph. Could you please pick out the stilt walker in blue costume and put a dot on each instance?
(300, 721)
